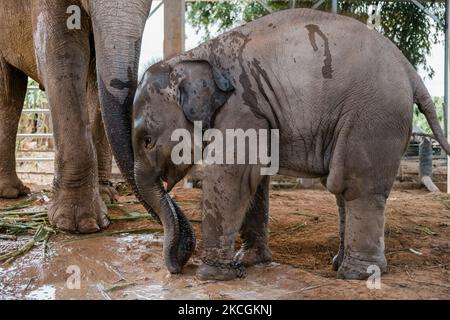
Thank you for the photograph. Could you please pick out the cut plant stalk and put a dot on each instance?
(20, 205)
(21, 213)
(8, 237)
(132, 218)
(120, 286)
(40, 235)
(114, 233)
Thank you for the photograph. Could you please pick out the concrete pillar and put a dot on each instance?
(174, 12)
(447, 85)
(334, 6)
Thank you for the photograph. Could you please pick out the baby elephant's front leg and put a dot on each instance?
(227, 191)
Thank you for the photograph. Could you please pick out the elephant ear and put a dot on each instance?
(203, 90)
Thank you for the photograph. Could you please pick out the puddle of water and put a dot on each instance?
(150, 237)
(46, 292)
(150, 292)
(137, 259)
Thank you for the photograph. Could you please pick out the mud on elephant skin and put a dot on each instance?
(341, 116)
(93, 67)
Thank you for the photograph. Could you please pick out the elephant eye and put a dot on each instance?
(148, 142)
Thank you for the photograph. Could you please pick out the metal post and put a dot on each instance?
(334, 6)
(156, 9)
(447, 87)
(446, 75)
(318, 4)
(428, 12)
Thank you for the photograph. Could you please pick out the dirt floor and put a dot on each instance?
(117, 264)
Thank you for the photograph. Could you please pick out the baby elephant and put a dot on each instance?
(341, 97)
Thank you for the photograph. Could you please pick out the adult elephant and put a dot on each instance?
(37, 41)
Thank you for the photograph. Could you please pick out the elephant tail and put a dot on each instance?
(426, 106)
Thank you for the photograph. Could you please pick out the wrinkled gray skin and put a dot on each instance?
(36, 42)
(103, 151)
(342, 97)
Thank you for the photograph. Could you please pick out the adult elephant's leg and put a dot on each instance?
(102, 148)
(13, 86)
(364, 237)
(227, 192)
(254, 231)
(63, 57)
(337, 259)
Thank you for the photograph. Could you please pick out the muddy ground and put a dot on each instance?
(303, 237)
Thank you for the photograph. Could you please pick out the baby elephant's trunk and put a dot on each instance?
(179, 238)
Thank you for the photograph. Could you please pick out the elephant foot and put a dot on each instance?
(353, 268)
(78, 211)
(220, 271)
(12, 188)
(107, 192)
(337, 259)
(251, 256)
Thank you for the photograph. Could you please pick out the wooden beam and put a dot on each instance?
(314, 1)
(174, 19)
(447, 85)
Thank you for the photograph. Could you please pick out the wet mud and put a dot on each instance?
(117, 264)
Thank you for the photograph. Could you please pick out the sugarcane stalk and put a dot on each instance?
(22, 213)
(20, 205)
(14, 226)
(8, 237)
(46, 239)
(120, 286)
(40, 234)
(132, 218)
(113, 233)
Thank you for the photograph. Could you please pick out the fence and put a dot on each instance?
(34, 144)
(35, 126)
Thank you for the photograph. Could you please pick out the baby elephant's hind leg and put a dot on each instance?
(254, 231)
(364, 237)
(371, 160)
(337, 259)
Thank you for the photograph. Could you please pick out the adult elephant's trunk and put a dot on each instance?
(118, 27)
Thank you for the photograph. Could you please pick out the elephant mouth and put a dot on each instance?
(165, 183)
(171, 176)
